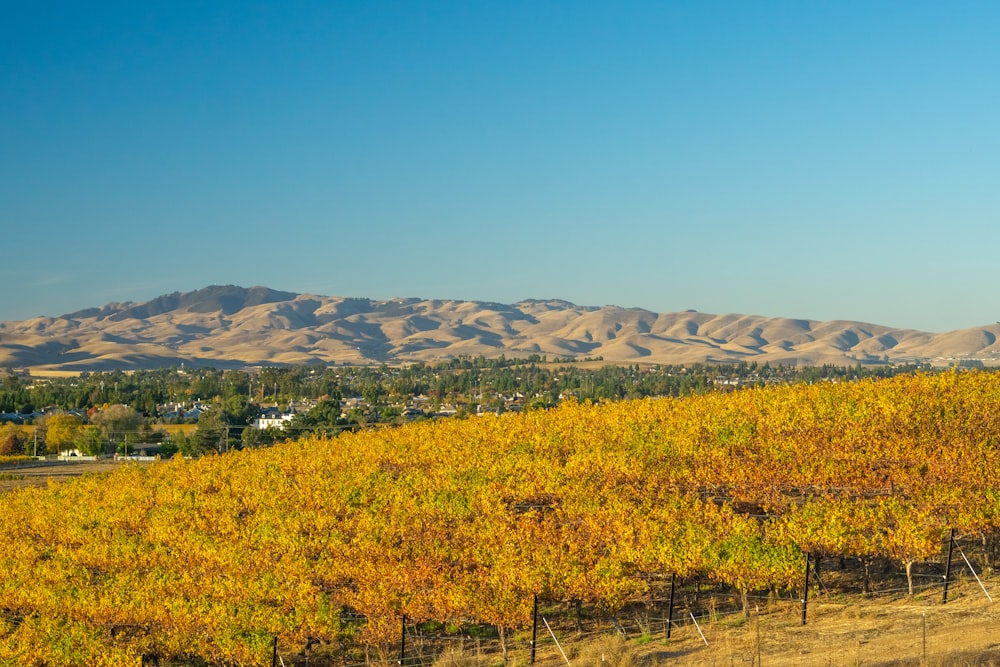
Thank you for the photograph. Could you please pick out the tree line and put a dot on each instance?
(108, 411)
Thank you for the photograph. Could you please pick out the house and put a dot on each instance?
(196, 412)
(272, 418)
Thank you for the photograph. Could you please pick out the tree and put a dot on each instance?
(168, 449)
(255, 437)
(239, 411)
(251, 437)
(373, 393)
(220, 427)
(12, 440)
(186, 444)
(125, 448)
(89, 442)
(323, 419)
(61, 430)
(212, 433)
(116, 421)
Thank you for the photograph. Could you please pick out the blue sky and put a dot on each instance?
(821, 160)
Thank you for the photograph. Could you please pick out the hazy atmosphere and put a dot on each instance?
(798, 159)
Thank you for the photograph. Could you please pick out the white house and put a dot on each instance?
(272, 418)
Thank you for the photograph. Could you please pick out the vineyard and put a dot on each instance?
(329, 547)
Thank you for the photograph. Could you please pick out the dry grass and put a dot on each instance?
(846, 632)
(173, 429)
(610, 651)
(54, 373)
(41, 474)
(875, 633)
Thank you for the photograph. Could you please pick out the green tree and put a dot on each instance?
(168, 448)
(212, 434)
(256, 437)
(373, 393)
(323, 419)
(125, 448)
(238, 409)
(89, 441)
(252, 437)
(187, 445)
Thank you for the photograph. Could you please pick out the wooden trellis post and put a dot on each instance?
(670, 605)
(947, 566)
(534, 629)
(402, 639)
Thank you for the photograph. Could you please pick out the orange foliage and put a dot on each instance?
(463, 520)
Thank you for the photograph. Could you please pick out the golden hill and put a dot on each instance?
(229, 326)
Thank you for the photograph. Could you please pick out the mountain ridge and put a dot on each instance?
(232, 327)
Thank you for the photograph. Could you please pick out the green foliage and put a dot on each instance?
(254, 437)
(186, 445)
(475, 380)
(213, 433)
(167, 449)
(89, 441)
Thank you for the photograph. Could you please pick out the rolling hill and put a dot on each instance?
(232, 327)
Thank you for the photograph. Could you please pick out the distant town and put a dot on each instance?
(197, 411)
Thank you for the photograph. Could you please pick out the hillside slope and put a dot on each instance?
(230, 326)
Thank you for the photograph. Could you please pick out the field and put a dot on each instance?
(448, 530)
(43, 474)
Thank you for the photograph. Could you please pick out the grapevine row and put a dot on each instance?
(467, 520)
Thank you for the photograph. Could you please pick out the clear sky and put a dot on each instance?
(820, 160)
